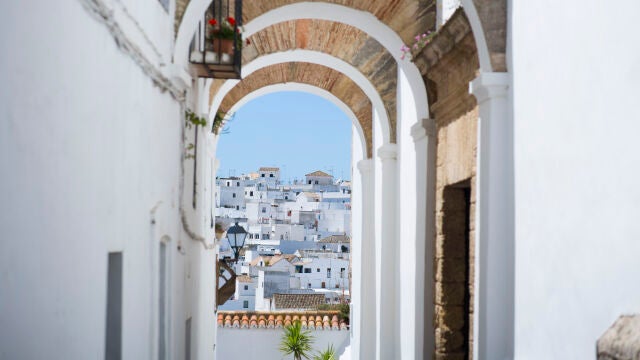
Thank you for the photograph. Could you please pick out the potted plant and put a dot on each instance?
(328, 354)
(296, 341)
(220, 230)
(224, 34)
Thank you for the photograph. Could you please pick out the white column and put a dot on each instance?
(388, 270)
(367, 269)
(494, 280)
(424, 137)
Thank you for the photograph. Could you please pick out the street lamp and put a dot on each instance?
(236, 236)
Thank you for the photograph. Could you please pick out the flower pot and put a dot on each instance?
(224, 46)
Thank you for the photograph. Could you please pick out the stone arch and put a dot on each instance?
(314, 90)
(316, 75)
(220, 88)
(338, 40)
(366, 22)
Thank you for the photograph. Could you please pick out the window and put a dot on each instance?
(307, 270)
(264, 210)
(328, 273)
(323, 285)
(316, 182)
(309, 182)
(233, 195)
(270, 175)
(281, 237)
(113, 348)
(237, 207)
(228, 183)
(318, 270)
(245, 304)
(187, 340)
(342, 272)
(238, 183)
(265, 236)
(286, 197)
(250, 193)
(246, 287)
(262, 175)
(309, 285)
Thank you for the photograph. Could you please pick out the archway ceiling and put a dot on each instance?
(406, 17)
(312, 74)
(339, 40)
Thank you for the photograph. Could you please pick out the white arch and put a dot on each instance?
(314, 90)
(315, 10)
(476, 28)
(314, 57)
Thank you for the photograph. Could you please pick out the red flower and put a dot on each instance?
(212, 22)
(231, 21)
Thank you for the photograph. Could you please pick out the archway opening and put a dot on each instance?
(286, 159)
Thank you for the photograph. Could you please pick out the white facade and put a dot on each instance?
(323, 273)
(245, 295)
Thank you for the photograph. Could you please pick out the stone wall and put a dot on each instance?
(448, 64)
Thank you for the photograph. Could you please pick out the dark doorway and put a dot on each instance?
(454, 281)
(113, 342)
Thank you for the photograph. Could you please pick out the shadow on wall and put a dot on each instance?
(264, 343)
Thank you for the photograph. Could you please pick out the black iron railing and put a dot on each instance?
(216, 49)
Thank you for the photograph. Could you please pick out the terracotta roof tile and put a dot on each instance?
(297, 301)
(334, 239)
(318, 173)
(311, 320)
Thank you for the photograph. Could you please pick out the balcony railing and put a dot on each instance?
(216, 49)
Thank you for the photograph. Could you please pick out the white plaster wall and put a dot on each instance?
(575, 105)
(232, 343)
(90, 153)
(356, 246)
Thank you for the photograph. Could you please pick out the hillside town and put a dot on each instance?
(296, 255)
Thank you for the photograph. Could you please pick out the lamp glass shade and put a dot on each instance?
(236, 236)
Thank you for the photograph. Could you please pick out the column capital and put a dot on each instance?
(388, 151)
(422, 129)
(365, 166)
(489, 85)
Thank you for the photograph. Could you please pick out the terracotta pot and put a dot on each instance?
(224, 46)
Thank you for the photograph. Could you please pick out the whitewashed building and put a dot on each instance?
(523, 113)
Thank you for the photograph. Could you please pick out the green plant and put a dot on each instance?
(227, 30)
(218, 120)
(192, 119)
(296, 341)
(328, 354)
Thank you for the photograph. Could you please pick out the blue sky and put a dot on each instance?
(295, 131)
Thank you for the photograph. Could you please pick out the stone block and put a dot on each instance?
(448, 341)
(449, 318)
(621, 341)
(448, 294)
(451, 269)
(450, 356)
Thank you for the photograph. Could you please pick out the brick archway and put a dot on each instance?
(323, 77)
